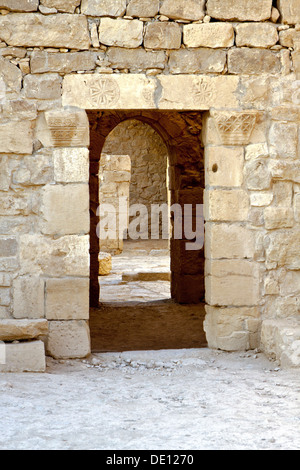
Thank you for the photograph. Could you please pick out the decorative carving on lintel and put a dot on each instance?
(235, 127)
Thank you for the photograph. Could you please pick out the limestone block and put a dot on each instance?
(67, 127)
(28, 356)
(191, 10)
(36, 30)
(280, 339)
(112, 8)
(65, 209)
(278, 217)
(16, 137)
(229, 241)
(19, 110)
(232, 283)
(14, 330)
(256, 35)
(64, 256)
(43, 61)
(232, 329)
(4, 296)
(11, 76)
(160, 35)
(290, 284)
(226, 205)
(68, 339)
(208, 35)
(224, 166)
(8, 247)
(20, 5)
(64, 6)
(282, 249)
(4, 173)
(43, 87)
(290, 11)
(285, 171)
(34, 169)
(67, 299)
(120, 32)
(283, 137)
(297, 207)
(287, 37)
(261, 198)
(143, 8)
(28, 297)
(240, 10)
(256, 151)
(253, 61)
(136, 59)
(257, 175)
(71, 165)
(197, 61)
(105, 263)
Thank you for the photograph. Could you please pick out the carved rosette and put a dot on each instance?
(235, 128)
(105, 92)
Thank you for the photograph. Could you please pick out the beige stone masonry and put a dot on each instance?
(68, 339)
(162, 36)
(143, 8)
(42, 87)
(20, 5)
(224, 166)
(112, 8)
(26, 356)
(63, 6)
(16, 137)
(256, 35)
(67, 299)
(28, 297)
(240, 10)
(71, 165)
(14, 330)
(208, 35)
(280, 339)
(226, 205)
(229, 241)
(121, 33)
(290, 11)
(43, 61)
(36, 30)
(192, 10)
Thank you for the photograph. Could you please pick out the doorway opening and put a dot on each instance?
(150, 293)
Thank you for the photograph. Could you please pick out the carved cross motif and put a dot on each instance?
(105, 92)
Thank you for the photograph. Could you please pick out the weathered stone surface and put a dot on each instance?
(280, 339)
(4, 296)
(8, 247)
(253, 61)
(162, 36)
(197, 61)
(4, 173)
(68, 339)
(232, 329)
(66, 127)
(64, 256)
(208, 35)
(14, 330)
(43, 87)
(67, 299)
(287, 37)
(240, 10)
(192, 10)
(278, 217)
(113, 8)
(121, 33)
(42, 62)
(11, 75)
(290, 284)
(143, 8)
(232, 283)
(226, 205)
(105, 263)
(256, 35)
(290, 11)
(257, 175)
(224, 166)
(71, 165)
(34, 169)
(285, 171)
(16, 137)
(24, 357)
(64, 6)
(283, 138)
(65, 209)
(28, 297)
(282, 249)
(235, 128)
(36, 30)
(20, 5)
(136, 59)
(229, 241)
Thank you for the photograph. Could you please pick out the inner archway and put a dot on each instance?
(181, 134)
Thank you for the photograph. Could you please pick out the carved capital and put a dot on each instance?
(235, 128)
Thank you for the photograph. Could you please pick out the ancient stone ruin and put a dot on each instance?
(218, 81)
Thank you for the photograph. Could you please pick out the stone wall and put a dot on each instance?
(236, 60)
(149, 159)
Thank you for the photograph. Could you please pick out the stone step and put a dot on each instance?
(146, 276)
(11, 329)
(26, 356)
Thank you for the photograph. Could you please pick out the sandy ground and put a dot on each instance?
(153, 400)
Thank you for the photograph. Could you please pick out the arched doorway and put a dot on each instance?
(181, 134)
